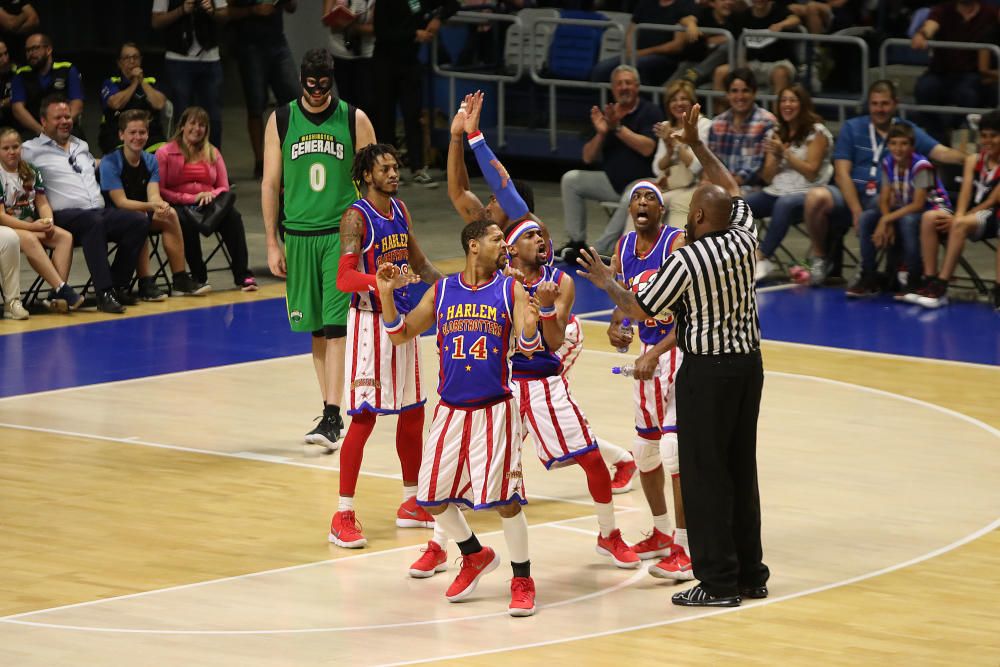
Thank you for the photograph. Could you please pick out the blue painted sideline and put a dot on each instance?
(222, 335)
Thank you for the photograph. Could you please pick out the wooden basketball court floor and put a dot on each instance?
(174, 519)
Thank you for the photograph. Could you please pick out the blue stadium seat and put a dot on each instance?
(574, 48)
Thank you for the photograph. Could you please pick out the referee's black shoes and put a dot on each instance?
(754, 592)
(699, 597)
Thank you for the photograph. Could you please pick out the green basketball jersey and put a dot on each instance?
(316, 168)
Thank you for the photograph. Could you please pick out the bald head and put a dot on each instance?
(710, 211)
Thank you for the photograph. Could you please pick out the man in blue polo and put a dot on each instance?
(859, 148)
(43, 76)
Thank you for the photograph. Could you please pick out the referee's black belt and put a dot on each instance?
(313, 232)
(726, 357)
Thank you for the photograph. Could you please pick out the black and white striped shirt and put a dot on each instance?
(709, 286)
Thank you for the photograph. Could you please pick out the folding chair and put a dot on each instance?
(219, 247)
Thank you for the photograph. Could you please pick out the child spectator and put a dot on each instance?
(131, 178)
(981, 190)
(909, 187)
(25, 211)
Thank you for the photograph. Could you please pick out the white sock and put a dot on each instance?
(515, 531)
(409, 492)
(605, 518)
(440, 537)
(663, 524)
(681, 538)
(346, 504)
(452, 524)
(612, 454)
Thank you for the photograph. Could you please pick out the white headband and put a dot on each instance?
(646, 185)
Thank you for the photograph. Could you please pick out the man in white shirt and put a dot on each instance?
(69, 171)
(192, 64)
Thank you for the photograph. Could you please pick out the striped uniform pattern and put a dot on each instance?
(709, 286)
(560, 429)
(381, 377)
(572, 345)
(473, 456)
(654, 399)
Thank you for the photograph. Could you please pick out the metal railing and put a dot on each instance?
(476, 18)
(933, 44)
(552, 84)
(841, 103)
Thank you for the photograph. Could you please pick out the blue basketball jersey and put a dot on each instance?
(637, 271)
(544, 362)
(474, 325)
(386, 240)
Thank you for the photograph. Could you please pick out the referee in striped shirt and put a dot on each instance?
(709, 286)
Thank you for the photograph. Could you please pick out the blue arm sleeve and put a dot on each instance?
(498, 179)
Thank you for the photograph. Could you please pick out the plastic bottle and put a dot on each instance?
(628, 370)
(627, 333)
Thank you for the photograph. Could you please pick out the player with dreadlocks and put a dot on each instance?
(381, 378)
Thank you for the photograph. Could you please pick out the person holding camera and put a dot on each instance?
(265, 62)
(353, 46)
(192, 62)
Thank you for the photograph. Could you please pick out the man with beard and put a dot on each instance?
(309, 146)
(639, 255)
(708, 286)
(473, 452)
(382, 378)
(43, 76)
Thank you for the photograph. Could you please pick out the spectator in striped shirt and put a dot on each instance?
(708, 285)
(737, 134)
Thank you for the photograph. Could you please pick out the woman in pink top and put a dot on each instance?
(193, 173)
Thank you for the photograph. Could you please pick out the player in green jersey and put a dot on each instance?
(309, 147)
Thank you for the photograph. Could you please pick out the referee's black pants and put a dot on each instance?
(718, 399)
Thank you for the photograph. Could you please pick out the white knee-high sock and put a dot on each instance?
(515, 531)
(453, 524)
(440, 536)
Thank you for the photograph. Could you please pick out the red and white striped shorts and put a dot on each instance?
(473, 456)
(381, 377)
(655, 408)
(548, 410)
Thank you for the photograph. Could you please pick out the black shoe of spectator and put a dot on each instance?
(996, 297)
(699, 597)
(865, 286)
(754, 592)
(107, 302)
(124, 297)
(148, 291)
(188, 286)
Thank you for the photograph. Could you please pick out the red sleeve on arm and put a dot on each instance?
(349, 279)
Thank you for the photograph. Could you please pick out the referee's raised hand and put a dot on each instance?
(689, 132)
(594, 268)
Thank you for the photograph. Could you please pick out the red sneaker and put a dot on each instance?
(676, 566)
(345, 531)
(474, 566)
(624, 472)
(522, 596)
(412, 515)
(614, 546)
(655, 544)
(433, 560)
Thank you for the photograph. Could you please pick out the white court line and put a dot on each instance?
(14, 619)
(246, 456)
(715, 612)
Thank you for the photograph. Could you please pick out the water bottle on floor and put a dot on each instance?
(628, 370)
